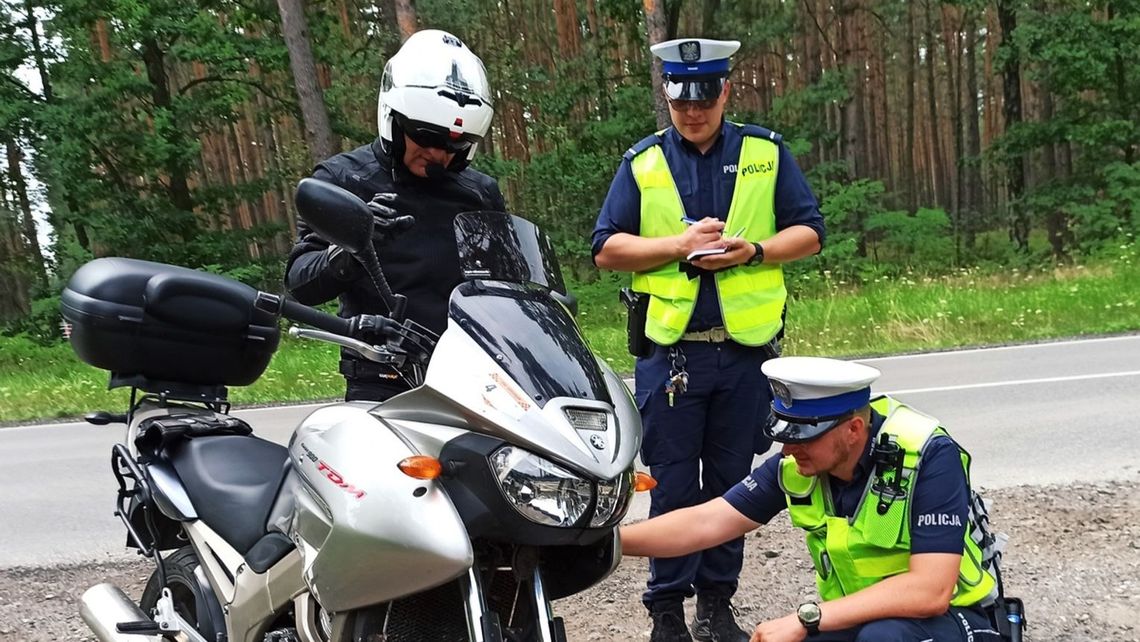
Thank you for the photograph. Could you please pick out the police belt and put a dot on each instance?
(364, 370)
(720, 335)
(712, 335)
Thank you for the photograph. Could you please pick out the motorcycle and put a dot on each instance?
(457, 510)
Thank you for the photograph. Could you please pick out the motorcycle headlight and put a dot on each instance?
(613, 498)
(541, 490)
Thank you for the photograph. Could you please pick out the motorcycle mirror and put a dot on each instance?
(340, 217)
(336, 214)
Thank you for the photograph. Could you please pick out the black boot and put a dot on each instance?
(715, 621)
(668, 622)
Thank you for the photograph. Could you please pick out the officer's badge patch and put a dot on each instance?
(782, 393)
(690, 51)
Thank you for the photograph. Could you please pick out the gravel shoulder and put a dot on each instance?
(1074, 557)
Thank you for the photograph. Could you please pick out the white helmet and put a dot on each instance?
(435, 90)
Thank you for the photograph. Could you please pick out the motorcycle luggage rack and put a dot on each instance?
(214, 397)
(125, 468)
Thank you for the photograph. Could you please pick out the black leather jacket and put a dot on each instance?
(421, 263)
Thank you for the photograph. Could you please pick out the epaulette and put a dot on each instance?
(756, 131)
(642, 145)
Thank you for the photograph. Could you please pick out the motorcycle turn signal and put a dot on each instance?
(643, 482)
(421, 467)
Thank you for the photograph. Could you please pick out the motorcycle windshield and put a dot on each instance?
(532, 337)
(502, 247)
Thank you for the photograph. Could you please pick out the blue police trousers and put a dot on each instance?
(699, 447)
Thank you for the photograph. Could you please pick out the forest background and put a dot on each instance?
(942, 138)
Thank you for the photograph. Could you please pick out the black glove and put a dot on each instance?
(387, 223)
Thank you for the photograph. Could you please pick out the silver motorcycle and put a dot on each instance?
(455, 511)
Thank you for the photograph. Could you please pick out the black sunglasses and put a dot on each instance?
(703, 105)
(434, 136)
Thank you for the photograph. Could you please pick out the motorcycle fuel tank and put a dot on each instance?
(367, 532)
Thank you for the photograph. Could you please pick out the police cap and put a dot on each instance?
(695, 68)
(812, 395)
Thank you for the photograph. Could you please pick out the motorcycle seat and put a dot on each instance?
(232, 482)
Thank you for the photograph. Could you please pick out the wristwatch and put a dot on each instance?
(757, 258)
(810, 615)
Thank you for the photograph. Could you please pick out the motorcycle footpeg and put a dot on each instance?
(142, 627)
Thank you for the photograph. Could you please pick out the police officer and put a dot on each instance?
(704, 213)
(883, 495)
(434, 110)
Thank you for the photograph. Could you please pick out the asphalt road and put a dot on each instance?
(1035, 414)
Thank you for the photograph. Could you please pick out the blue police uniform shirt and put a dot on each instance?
(939, 505)
(705, 183)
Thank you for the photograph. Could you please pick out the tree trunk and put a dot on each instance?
(708, 15)
(851, 63)
(951, 41)
(318, 132)
(32, 25)
(939, 183)
(1011, 110)
(655, 25)
(15, 301)
(27, 222)
(406, 18)
(178, 187)
(972, 171)
(906, 163)
(1055, 222)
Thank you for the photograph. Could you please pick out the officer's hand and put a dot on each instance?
(739, 251)
(386, 221)
(785, 629)
(705, 233)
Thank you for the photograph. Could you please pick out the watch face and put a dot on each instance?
(809, 613)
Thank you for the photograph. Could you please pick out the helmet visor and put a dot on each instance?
(430, 135)
(796, 430)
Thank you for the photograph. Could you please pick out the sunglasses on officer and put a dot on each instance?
(434, 136)
(684, 94)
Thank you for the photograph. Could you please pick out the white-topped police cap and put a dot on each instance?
(811, 395)
(695, 68)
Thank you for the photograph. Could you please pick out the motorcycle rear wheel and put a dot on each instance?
(194, 600)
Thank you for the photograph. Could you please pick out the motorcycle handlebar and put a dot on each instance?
(312, 317)
(364, 327)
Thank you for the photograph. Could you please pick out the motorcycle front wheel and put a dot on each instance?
(194, 600)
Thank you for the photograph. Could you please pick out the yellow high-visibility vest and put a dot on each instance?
(852, 554)
(751, 297)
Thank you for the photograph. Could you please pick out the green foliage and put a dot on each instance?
(42, 326)
(1088, 64)
(828, 315)
(921, 241)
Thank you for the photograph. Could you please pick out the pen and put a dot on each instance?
(739, 232)
(688, 221)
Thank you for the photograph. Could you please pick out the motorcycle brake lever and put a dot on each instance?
(377, 354)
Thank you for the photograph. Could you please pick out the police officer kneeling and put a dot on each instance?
(883, 494)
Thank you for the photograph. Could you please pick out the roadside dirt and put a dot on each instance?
(1074, 557)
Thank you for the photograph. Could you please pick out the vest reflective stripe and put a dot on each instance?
(852, 554)
(751, 297)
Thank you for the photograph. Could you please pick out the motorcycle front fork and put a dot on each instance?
(483, 624)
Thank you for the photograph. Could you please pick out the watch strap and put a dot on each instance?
(758, 257)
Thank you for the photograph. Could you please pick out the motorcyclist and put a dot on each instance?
(434, 109)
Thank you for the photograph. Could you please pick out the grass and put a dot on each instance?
(888, 316)
(967, 309)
